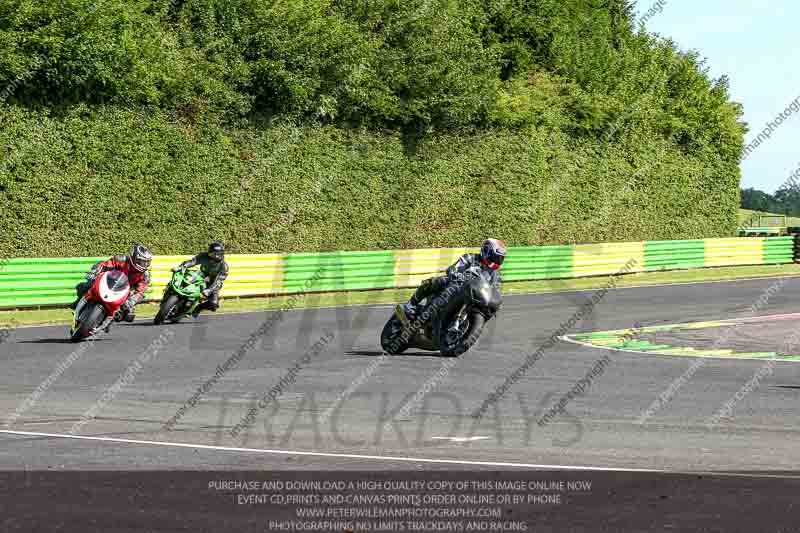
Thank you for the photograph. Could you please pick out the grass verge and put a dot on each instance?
(236, 305)
(746, 214)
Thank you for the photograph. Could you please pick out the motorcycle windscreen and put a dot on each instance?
(486, 295)
(114, 286)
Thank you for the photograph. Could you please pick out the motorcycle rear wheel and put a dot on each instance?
(391, 337)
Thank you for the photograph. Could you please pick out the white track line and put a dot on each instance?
(760, 318)
(327, 454)
(400, 459)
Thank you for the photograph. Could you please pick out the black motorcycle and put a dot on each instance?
(449, 322)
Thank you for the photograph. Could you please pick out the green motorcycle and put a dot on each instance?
(181, 297)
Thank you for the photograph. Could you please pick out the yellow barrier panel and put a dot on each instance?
(411, 267)
(734, 251)
(249, 274)
(607, 258)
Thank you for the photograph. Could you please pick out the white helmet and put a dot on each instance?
(139, 257)
(493, 253)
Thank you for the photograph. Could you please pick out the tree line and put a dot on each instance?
(785, 201)
(414, 66)
(368, 124)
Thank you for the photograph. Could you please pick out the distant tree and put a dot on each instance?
(757, 200)
(788, 201)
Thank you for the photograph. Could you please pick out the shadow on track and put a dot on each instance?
(370, 353)
(150, 323)
(57, 341)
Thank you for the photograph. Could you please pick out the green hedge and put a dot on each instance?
(92, 180)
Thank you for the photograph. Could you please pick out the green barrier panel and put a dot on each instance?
(41, 300)
(779, 241)
(539, 262)
(26, 282)
(674, 255)
(338, 271)
(778, 259)
(30, 282)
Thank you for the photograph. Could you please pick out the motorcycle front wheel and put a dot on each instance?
(90, 318)
(168, 309)
(454, 343)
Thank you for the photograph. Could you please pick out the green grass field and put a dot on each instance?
(745, 214)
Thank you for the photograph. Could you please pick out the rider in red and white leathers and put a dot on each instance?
(135, 266)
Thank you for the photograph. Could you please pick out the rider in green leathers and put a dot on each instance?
(215, 269)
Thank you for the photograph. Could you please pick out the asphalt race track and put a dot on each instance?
(432, 398)
(668, 442)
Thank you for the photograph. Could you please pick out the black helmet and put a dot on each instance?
(139, 257)
(216, 251)
(493, 253)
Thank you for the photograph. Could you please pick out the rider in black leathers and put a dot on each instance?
(490, 258)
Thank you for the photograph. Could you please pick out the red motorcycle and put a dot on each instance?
(100, 304)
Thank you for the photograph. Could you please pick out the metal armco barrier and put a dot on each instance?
(29, 282)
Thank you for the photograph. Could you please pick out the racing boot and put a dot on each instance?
(201, 307)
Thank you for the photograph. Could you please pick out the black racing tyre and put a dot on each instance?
(167, 309)
(392, 337)
(467, 341)
(89, 319)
